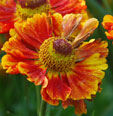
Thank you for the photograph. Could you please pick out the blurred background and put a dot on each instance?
(18, 96)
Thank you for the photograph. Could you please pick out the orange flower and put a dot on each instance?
(16, 10)
(108, 25)
(41, 48)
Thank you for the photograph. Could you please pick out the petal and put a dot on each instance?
(85, 76)
(108, 22)
(108, 18)
(31, 68)
(34, 72)
(67, 6)
(57, 24)
(88, 28)
(109, 34)
(19, 49)
(35, 30)
(56, 88)
(82, 86)
(89, 48)
(5, 27)
(10, 63)
(9, 3)
(70, 23)
(94, 62)
(46, 98)
(7, 17)
(80, 106)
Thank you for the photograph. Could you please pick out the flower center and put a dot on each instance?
(62, 46)
(27, 9)
(57, 54)
(31, 3)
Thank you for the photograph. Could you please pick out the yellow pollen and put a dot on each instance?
(54, 60)
(24, 13)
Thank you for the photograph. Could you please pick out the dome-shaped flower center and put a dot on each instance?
(27, 8)
(57, 54)
(31, 3)
(62, 46)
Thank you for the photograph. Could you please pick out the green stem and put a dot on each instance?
(43, 108)
(38, 99)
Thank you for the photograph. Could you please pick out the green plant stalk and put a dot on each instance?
(38, 99)
(43, 108)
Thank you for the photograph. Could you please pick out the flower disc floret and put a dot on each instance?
(54, 60)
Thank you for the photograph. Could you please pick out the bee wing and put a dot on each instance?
(70, 23)
(87, 30)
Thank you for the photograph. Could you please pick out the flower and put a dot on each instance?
(12, 11)
(69, 70)
(108, 25)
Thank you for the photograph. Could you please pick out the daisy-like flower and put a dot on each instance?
(69, 69)
(108, 25)
(16, 10)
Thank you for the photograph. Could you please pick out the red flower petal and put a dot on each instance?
(80, 106)
(7, 16)
(82, 87)
(86, 76)
(46, 97)
(10, 63)
(108, 25)
(87, 49)
(57, 24)
(108, 22)
(56, 88)
(34, 72)
(68, 6)
(35, 30)
(5, 27)
(19, 49)
(109, 34)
